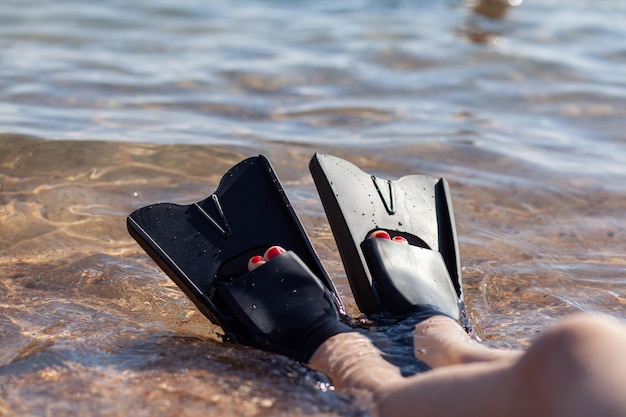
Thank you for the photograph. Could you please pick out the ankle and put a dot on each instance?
(353, 363)
(440, 341)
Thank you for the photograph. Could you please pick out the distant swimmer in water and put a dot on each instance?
(397, 241)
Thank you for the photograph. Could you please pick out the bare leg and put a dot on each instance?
(575, 369)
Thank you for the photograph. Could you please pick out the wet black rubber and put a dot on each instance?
(284, 306)
(204, 248)
(387, 276)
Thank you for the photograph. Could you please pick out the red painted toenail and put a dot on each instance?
(400, 239)
(273, 251)
(255, 262)
(380, 234)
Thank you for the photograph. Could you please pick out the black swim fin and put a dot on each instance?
(204, 248)
(386, 276)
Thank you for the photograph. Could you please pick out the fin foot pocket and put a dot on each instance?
(406, 276)
(283, 307)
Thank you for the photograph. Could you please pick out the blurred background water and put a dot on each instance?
(109, 106)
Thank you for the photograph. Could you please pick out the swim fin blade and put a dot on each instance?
(386, 276)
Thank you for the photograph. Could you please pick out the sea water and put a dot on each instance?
(109, 106)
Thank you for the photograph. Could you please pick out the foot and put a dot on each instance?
(440, 340)
(284, 308)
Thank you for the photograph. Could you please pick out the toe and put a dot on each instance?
(255, 262)
(272, 252)
(379, 234)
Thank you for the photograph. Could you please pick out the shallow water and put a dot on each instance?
(130, 105)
